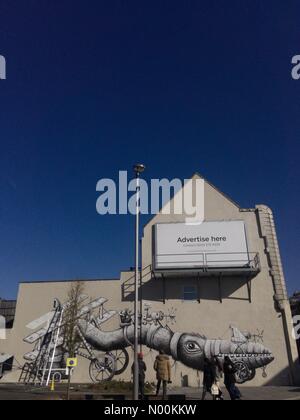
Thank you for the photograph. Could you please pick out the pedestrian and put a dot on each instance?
(208, 377)
(218, 375)
(162, 366)
(142, 374)
(230, 379)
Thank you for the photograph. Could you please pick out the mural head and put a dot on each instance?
(191, 350)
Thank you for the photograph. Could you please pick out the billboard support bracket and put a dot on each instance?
(164, 288)
(198, 287)
(163, 284)
(220, 288)
(249, 287)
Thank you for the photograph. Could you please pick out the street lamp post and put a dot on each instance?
(138, 169)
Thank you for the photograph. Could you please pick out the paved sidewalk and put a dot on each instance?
(20, 392)
(249, 393)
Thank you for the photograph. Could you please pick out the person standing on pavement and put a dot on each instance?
(162, 366)
(230, 379)
(142, 374)
(218, 375)
(208, 377)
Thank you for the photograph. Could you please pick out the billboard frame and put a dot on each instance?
(251, 268)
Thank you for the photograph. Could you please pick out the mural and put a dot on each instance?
(107, 351)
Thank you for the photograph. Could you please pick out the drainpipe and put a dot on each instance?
(268, 231)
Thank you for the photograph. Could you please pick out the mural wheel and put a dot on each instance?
(243, 373)
(121, 360)
(102, 369)
(252, 374)
(57, 377)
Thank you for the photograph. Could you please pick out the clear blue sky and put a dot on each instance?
(183, 86)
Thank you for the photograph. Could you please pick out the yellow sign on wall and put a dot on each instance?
(72, 362)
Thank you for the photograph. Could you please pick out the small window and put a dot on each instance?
(190, 293)
(8, 310)
(6, 366)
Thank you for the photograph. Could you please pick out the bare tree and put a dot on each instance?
(72, 316)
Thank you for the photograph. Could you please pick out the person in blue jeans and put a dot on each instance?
(230, 380)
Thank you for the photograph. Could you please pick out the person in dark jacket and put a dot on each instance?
(162, 367)
(142, 374)
(230, 379)
(208, 377)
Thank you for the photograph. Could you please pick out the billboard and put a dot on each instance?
(206, 245)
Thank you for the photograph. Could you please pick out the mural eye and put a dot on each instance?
(192, 347)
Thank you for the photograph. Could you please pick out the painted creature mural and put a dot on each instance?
(107, 351)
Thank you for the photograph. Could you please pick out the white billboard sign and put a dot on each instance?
(209, 244)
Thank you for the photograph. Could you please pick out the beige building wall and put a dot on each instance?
(212, 315)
